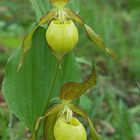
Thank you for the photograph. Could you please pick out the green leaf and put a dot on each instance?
(29, 91)
(133, 4)
(73, 90)
(94, 134)
(26, 45)
(74, 5)
(40, 7)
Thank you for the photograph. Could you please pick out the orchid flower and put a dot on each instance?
(61, 32)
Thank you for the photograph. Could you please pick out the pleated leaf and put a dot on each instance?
(41, 7)
(74, 5)
(28, 91)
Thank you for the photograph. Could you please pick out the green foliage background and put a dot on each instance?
(114, 104)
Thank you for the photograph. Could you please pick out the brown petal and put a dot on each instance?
(72, 90)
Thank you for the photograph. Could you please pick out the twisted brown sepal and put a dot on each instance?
(49, 126)
(93, 132)
(51, 112)
(27, 42)
(94, 37)
(72, 90)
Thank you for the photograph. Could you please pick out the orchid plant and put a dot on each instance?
(60, 120)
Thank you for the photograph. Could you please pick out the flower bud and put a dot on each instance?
(62, 37)
(72, 130)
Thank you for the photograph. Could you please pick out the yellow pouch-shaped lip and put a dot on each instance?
(72, 130)
(62, 37)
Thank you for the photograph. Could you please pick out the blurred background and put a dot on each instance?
(114, 104)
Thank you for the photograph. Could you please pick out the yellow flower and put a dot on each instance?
(69, 130)
(62, 34)
(62, 37)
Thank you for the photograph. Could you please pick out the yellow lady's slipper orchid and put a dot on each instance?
(62, 37)
(69, 130)
(62, 34)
